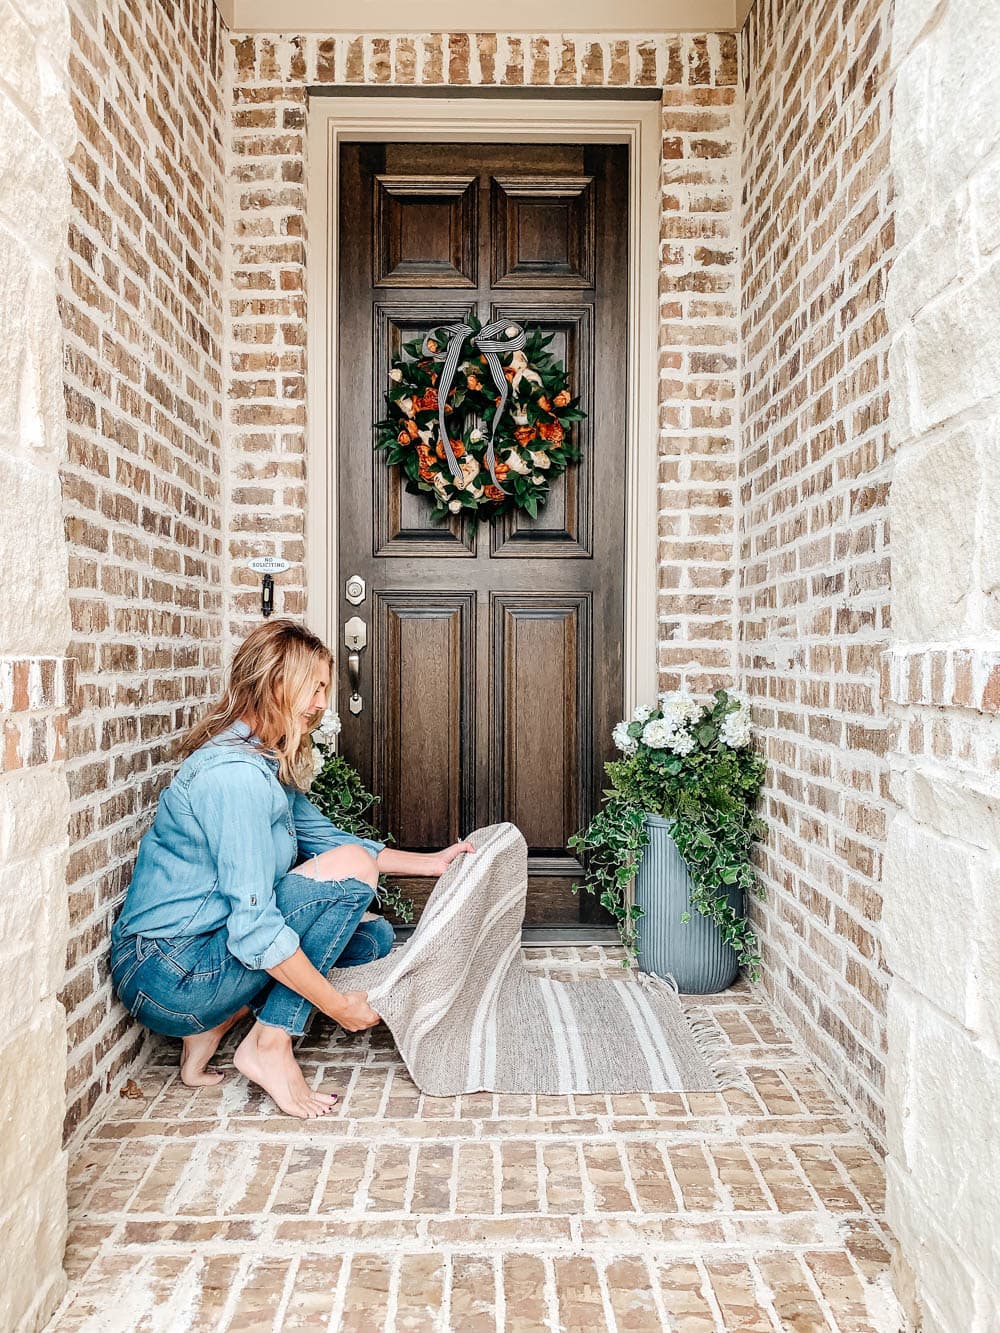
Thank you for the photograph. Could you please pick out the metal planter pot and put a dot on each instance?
(693, 953)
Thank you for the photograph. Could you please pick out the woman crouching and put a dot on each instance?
(244, 895)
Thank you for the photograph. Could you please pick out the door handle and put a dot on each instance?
(355, 703)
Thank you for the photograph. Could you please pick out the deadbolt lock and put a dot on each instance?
(355, 590)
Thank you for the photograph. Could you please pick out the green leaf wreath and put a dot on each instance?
(692, 764)
(533, 439)
(338, 792)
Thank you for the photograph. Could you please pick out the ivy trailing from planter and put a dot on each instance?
(338, 792)
(691, 764)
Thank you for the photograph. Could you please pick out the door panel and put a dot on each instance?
(493, 674)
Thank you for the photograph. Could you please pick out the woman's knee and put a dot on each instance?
(347, 862)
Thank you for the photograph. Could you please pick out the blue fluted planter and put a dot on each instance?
(693, 953)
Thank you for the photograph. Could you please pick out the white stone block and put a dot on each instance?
(911, 18)
(932, 509)
(956, 805)
(32, 1098)
(956, 354)
(984, 193)
(989, 523)
(932, 260)
(964, 50)
(951, 1141)
(936, 1265)
(34, 813)
(34, 612)
(33, 1230)
(910, 143)
(34, 185)
(930, 890)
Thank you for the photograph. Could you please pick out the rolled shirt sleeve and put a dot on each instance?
(316, 833)
(232, 803)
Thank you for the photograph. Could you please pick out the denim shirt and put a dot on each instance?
(225, 832)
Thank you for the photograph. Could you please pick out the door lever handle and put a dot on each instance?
(355, 703)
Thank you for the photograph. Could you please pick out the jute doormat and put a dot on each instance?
(468, 1016)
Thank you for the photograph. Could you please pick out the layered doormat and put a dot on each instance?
(468, 1016)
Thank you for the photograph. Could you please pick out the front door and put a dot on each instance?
(492, 672)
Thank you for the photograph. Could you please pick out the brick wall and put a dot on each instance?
(141, 307)
(36, 679)
(942, 866)
(814, 481)
(698, 292)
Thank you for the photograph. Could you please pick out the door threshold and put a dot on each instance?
(548, 937)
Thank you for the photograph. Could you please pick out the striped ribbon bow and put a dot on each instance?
(492, 339)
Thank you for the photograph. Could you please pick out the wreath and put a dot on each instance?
(480, 418)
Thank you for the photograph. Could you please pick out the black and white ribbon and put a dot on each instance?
(492, 339)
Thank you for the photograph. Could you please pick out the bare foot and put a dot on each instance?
(265, 1056)
(196, 1052)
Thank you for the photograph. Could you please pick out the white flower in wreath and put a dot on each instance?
(396, 375)
(626, 743)
(470, 470)
(540, 459)
(476, 437)
(405, 406)
(537, 479)
(658, 733)
(427, 436)
(455, 506)
(441, 483)
(522, 370)
(318, 760)
(516, 463)
(642, 713)
(520, 418)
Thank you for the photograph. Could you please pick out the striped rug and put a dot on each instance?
(468, 1016)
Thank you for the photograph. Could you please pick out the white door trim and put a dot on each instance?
(531, 118)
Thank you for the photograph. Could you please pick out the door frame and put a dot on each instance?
(529, 118)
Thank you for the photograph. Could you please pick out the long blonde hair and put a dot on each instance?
(270, 682)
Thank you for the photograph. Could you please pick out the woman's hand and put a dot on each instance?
(391, 861)
(353, 1012)
(438, 862)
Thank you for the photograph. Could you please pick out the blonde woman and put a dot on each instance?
(244, 896)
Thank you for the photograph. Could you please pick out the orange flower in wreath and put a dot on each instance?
(473, 382)
(501, 469)
(456, 445)
(544, 404)
(493, 492)
(552, 432)
(562, 398)
(427, 401)
(524, 435)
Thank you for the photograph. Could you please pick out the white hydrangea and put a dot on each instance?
(328, 726)
(735, 730)
(642, 713)
(658, 733)
(680, 706)
(683, 742)
(626, 743)
(319, 759)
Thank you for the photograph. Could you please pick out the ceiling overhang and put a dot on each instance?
(520, 16)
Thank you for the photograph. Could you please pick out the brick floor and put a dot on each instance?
(701, 1212)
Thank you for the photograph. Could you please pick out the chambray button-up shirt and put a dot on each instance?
(225, 832)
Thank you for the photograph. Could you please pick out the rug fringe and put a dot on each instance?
(649, 981)
(716, 1049)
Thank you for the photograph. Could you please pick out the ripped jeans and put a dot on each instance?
(185, 984)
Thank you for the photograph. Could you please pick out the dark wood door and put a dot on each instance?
(493, 671)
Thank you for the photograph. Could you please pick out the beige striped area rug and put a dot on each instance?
(468, 1016)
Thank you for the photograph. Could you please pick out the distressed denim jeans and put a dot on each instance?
(185, 984)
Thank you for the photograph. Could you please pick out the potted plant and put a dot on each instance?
(338, 792)
(679, 818)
